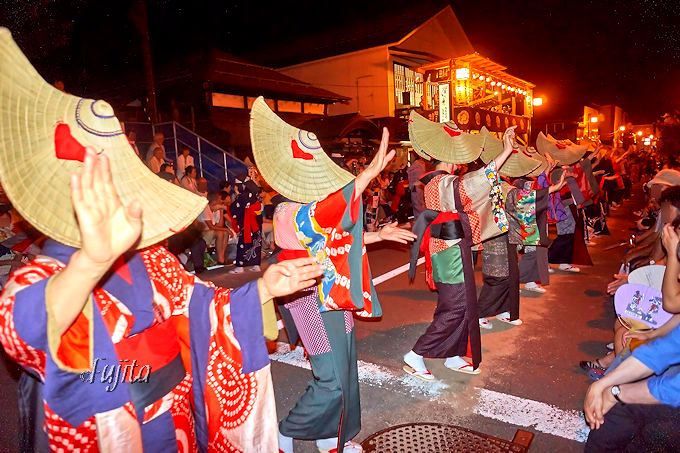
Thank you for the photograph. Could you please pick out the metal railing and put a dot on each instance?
(213, 162)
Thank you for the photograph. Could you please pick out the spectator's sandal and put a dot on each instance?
(587, 365)
(596, 374)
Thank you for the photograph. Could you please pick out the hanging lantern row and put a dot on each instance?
(502, 86)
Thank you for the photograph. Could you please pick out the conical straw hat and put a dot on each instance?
(421, 153)
(563, 153)
(38, 182)
(542, 159)
(443, 141)
(291, 160)
(519, 163)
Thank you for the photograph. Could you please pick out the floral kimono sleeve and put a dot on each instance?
(332, 231)
(222, 332)
(527, 216)
(482, 198)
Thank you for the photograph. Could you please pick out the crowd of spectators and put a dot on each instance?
(635, 400)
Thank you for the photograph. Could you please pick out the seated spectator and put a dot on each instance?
(132, 139)
(184, 160)
(211, 222)
(188, 181)
(643, 392)
(647, 251)
(158, 139)
(168, 173)
(202, 186)
(156, 160)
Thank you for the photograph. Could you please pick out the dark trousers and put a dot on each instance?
(637, 427)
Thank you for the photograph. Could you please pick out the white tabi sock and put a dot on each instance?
(455, 362)
(285, 443)
(327, 444)
(415, 361)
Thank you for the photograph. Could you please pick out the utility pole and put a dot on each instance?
(139, 15)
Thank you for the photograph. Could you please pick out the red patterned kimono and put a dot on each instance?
(156, 361)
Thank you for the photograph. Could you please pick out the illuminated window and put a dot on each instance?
(228, 100)
(408, 86)
(290, 106)
(314, 109)
(270, 102)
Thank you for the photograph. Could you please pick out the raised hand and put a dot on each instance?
(391, 232)
(107, 228)
(552, 163)
(509, 145)
(509, 139)
(289, 277)
(670, 239)
(378, 164)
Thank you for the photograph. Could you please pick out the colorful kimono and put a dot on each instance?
(460, 212)
(526, 210)
(246, 210)
(332, 231)
(569, 246)
(156, 361)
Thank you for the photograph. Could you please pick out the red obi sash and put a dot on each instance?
(250, 223)
(156, 346)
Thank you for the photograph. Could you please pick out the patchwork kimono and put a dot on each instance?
(332, 231)
(569, 246)
(156, 361)
(526, 209)
(533, 264)
(460, 212)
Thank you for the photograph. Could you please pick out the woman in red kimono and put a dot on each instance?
(134, 354)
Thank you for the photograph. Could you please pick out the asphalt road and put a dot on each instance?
(530, 377)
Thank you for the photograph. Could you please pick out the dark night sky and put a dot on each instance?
(577, 52)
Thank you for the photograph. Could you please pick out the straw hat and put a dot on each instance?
(291, 160)
(544, 164)
(563, 152)
(421, 153)
(443, 141)
(666, 177)
(33, 117)
(519, 163)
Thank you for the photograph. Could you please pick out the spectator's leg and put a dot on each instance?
(220, 246)
(198, 248)
(621, 425)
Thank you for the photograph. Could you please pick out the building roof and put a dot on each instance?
(232, 75)
(491, 67)
(483, 64)
(329, 128)
(341, 38)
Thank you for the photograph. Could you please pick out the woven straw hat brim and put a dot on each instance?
(297, 179)
(567, 156)
(38, 183)
(541, 168)
(421, 153)
(516, 166)
(432, 139)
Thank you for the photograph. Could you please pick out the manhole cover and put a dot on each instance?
(434, 438)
